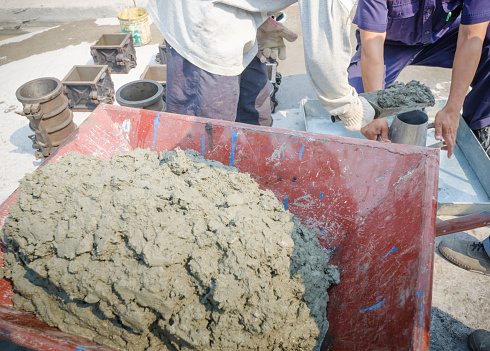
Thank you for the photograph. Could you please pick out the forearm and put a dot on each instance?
(326, 29)
(372, 59)
(466, 59)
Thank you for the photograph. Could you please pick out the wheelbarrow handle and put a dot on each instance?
(473, 221)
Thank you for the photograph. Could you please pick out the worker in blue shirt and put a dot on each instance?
(437, 33)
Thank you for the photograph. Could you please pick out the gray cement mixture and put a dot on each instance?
(400, 94)
(165, 252)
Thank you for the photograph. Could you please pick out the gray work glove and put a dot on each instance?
(270, 37)
(360, 114)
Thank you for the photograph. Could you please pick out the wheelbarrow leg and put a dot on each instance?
(473, 221)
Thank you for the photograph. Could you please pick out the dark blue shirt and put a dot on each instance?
(418, 22)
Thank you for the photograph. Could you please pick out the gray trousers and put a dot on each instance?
(195, 92)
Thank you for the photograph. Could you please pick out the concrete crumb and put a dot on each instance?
(165, 252)
(400, 94)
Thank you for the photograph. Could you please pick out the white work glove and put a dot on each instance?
(270, 37)
(360, 114)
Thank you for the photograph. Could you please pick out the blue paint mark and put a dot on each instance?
(373, 307)
(321, 196)
(282, 157)
(80, 348)
(377, 297)
(321, 230)
(114, 133)
(418, 293)
(301, 151)
(285, 203)
(294, 187)
(156, 123)
(296, 142)
(233, 147)
(357, 285)
(122, 149)
(203, 144)
(392, 250)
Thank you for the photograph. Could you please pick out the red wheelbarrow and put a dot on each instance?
(372, 207)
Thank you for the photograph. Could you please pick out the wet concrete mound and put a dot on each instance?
(165, 251)
(400, 94)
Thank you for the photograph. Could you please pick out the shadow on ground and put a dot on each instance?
(447, 333)
(8, 346)
(20, 139)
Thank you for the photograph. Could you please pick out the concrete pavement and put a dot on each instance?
(25, 15)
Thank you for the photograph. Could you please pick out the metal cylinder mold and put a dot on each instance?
(49, 116)
(88, 86)
(116, 51)
(146, 94)
(409, 128)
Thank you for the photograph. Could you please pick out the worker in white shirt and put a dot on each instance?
(216, 53)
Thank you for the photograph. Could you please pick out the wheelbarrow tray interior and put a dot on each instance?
(371, 205)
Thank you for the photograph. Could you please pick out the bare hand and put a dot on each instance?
(375, 128)
(270, 37)
(446, 125)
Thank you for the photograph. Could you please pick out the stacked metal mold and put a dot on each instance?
(88, 86)
(162, 53)
(157, 73)
(116, 51)
(48, 113)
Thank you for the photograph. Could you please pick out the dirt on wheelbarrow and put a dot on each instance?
(165, 252)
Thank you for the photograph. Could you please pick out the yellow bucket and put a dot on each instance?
(137, 24)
